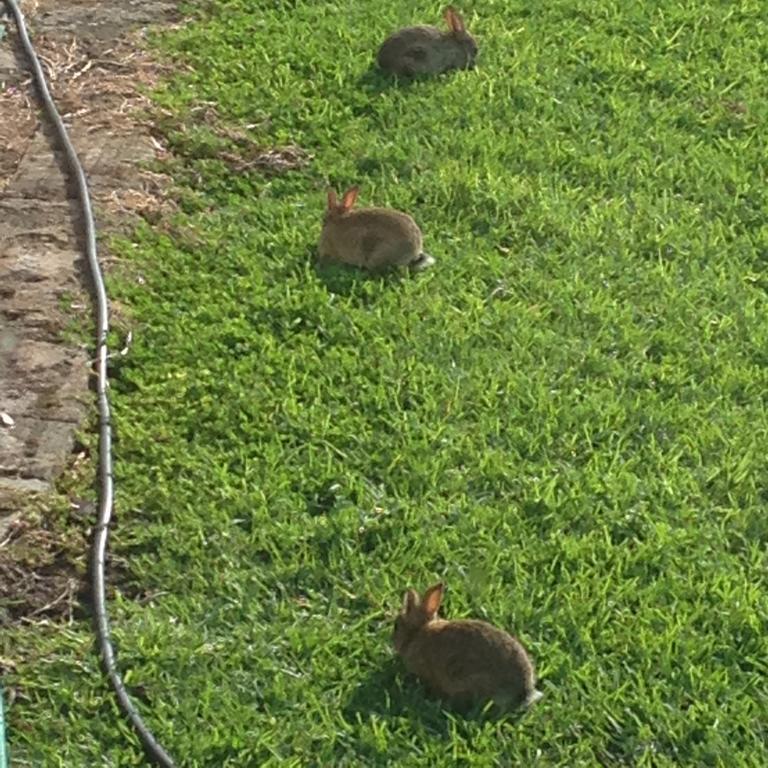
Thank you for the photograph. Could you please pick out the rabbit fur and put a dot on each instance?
(464, 660)
(372, 238)
(427, 50)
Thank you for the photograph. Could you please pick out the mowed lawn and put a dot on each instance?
(565, 419)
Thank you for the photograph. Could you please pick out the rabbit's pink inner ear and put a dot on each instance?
(432, 599)
(332, 203)
(350, 196)
(454, 20)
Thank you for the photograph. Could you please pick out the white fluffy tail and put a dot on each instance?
(533, 697)
(423, 262)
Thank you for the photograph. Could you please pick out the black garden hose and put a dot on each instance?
(105, 480)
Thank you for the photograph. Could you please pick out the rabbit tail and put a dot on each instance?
(534, 696)
(423, 262)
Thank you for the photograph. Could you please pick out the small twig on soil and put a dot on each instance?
(67, 593)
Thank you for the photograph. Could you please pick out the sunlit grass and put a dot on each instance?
(565, 418)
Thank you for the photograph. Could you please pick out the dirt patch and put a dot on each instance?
(39, 574)
(17, 126)
(93, 53)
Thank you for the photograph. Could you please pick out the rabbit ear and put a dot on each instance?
(432, 599)
(410, 600)
(349, 198)
(454, 20)
(332, 202)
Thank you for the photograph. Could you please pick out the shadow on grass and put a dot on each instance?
(373, 80)
(390, 693)
(345, 280)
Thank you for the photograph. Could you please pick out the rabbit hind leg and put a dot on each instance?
(393, 254)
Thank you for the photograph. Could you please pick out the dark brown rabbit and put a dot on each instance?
(464, 660)
(428, 51)
(372, 238)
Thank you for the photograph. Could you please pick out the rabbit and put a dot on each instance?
(465, 660)
(427, 50)
(370, 237)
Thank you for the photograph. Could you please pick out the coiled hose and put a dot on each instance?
(105, 481)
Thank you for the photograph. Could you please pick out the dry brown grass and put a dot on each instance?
(102, 96)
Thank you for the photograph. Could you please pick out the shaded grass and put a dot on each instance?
(565, 419)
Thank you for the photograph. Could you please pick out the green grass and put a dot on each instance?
(565, 419)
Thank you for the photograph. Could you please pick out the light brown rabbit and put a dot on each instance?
(427, 50)
(370, 237)
(464, 660)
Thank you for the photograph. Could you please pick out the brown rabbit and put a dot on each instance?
(370, 237)
(463, 660)
(427, 50)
